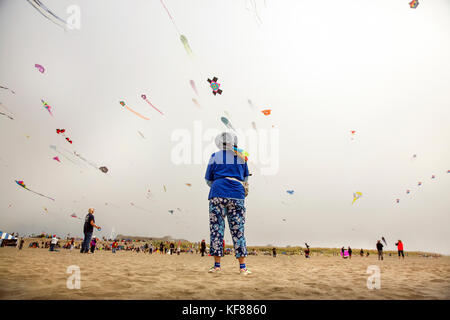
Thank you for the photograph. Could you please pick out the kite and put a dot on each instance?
(103, 169)
(46, 106)
(143, 96)
(353, 134)
(413, 4)
(193, 86)
(196, 103)
(215, 86)
(284, 219)
(40, 68)
(183, 38)
(266, 112)
(384, 240)
(189, 185)
(254, 125)
(54, 148)
(433, 176)
(141, 134)
(138, 114)
(73, 215)
(419, 183)
(7, 89)
(185, 43)
(448, 171)
(4, 114)
(307, 247)
(290, 191)
(164, 188)
(20, 183)
(227, 123)
(39, 6)
(397, 200)
(62, 132)
(251, 104)
(171, 211)
(408, 191)
(356, 196)
(45, 209)
(56, 158)
(414, 156)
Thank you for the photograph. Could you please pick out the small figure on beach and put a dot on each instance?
(203, 247)
(349, 252)
(307, 251)
(88, 230)
(53, 243)
(361, 253)
(274, 252)
(227, 175)
(380, 250)
(93, 244)
(399, 245)
(21, 244)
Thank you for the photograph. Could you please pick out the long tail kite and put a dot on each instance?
(136, 113)
(22, 184)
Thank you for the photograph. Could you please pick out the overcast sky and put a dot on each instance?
(324, 68)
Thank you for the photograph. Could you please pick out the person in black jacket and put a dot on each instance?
(203, 248)
(380, 250)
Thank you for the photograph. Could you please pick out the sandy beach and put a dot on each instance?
(40, 274)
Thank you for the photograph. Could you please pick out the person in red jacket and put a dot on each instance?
(399, 245)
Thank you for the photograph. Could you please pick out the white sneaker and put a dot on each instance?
(214, 269)
(245, 272)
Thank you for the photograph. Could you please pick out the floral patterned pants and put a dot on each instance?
(235, 211)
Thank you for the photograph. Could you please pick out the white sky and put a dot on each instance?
(323, 67)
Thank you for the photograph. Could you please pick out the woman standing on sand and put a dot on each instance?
(226, 173)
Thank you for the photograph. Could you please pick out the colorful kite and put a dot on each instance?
(40, 68)
(241, 153)
(20, 183)
(408, 191)
(448, 171)
(266, 112)
(356, 196)
(291, 192)
(143, 96)
(73, 215)
(136, 113)
(353, 134)
(433, 177)
(189, 185)
(62, 132)
(196, 103)
(397, 200)
(215, 86)
(413, 4)
(419, 183)
(56, 158)
(46, 106)
(193, 86)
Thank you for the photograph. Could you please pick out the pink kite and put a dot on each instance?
(143, 96)
(56, 158)
(193, 86)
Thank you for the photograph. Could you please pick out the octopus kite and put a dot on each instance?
(215, 86)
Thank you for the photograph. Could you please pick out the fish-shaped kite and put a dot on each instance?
(103, 169)
(193, 86)
(129, 109)
(22, 184)
(266, 112)
(143, 96)
(356, 196)
(40, 68)
(227, 123)
(290, 191)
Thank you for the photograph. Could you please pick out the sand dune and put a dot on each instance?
(40, 274)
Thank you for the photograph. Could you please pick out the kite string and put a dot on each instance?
(173, 21)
